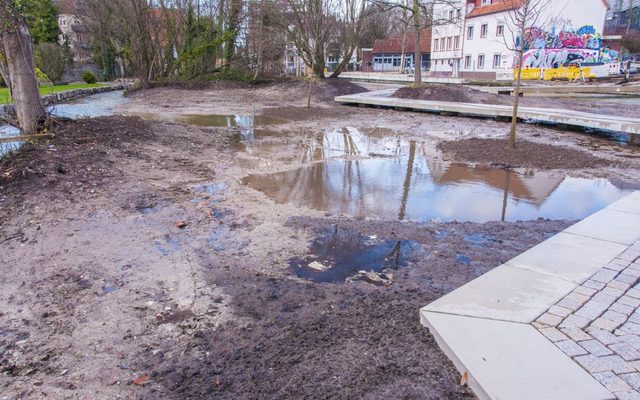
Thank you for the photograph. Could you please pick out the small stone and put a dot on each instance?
(571, 348)
(604, 275)
(619, 285)
(585, 291)
(560, 311)
(594, 284)
(611, 381)
(629, 301)
(549, 319)
(625, 351)
(553, 334)
(595, 347)
(605, 324)
(632, 379)
(614, 316)
(574, 321)
(603, 336)
(622, 308)
(625, 278)
(630, 327)
(576, 334)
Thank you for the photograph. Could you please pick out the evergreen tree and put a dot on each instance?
(41, 17)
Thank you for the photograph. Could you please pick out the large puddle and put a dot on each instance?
(218, 120)
(386, 177)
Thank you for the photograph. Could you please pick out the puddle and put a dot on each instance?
(404, 180)
(97, 105)
(211, 188)
(8, 131)
(246, 123)
(337, 254)
(167, 246)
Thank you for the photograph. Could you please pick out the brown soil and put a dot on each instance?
(125, 274)
(526, 154)
(453, 93)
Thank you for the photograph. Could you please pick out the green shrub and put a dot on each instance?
(89, 77)
(41, 76)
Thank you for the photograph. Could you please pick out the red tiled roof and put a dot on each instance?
(393, 45)
(496, 7)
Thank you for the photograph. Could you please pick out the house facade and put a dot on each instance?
(570, 31)
(396, 53)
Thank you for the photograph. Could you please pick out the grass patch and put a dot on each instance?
(5, 97)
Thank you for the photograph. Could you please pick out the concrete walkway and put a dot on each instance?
(382, 98)
(559, 321)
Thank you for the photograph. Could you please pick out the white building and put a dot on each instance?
(487, 40)
(446, 34)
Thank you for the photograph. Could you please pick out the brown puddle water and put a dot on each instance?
(217, 120)
(387, 177)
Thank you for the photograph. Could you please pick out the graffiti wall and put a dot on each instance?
(558, 47)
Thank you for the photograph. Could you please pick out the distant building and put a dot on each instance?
(75, 34)
(622, 19)
(473, 39)
(396, 53)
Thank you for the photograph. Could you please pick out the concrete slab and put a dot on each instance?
(547, 115)
(571, 257)
(609, 224)
(505, 293)
(506, 360)
(629, 204)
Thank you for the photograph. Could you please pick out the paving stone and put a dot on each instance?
(571, 348)
(575, 334)
(619, 284)
(633, 379)
(574, 321)
(594, 284)
(605, 324)
(632, 271)
(616, 317)
(630, 327)
(613, 363)
(631, 278)
(635, 317)
(627, 395)
(633, 340)
(592, 309)
(604, 275)
(587, 291)
(606, 297)
(549, 319)
(605, 337)
(554, 334)
(622, 308)
(560, 311)
(629, 255)
(626, 351)
(629, 301)
(611, 381)
(617, 265)
(596, 348)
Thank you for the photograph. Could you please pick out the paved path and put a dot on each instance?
(559, 321)
(549, 115)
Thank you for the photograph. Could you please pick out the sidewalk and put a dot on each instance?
(560, 321)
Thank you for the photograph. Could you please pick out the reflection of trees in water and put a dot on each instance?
(505, 196)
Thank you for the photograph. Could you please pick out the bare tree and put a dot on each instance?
(52, 60)
(520, 20)
(18, 68)
(352, 18)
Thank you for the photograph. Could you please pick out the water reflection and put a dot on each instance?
(246, 123)
(404, 181)
(7, 132)
(342, 253)
(97, 105)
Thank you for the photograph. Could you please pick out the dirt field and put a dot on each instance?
(136, 265)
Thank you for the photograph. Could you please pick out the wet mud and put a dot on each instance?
(136, 262)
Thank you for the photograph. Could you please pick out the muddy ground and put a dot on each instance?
(136, 265)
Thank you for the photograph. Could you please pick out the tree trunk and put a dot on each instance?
(516, 103)
(417, 60)
(16, 45)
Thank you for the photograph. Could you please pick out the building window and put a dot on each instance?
(435, 45)
(442, 44)
(483, 30)
(497, 58)
(451, 15)
(467, 62)
(449, 43)
(458, 14)
(500, 30)
(486, 2)
(470, 32)
(456, 43)
(480, 61)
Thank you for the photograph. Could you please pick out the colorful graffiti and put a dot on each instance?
(559, 47)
